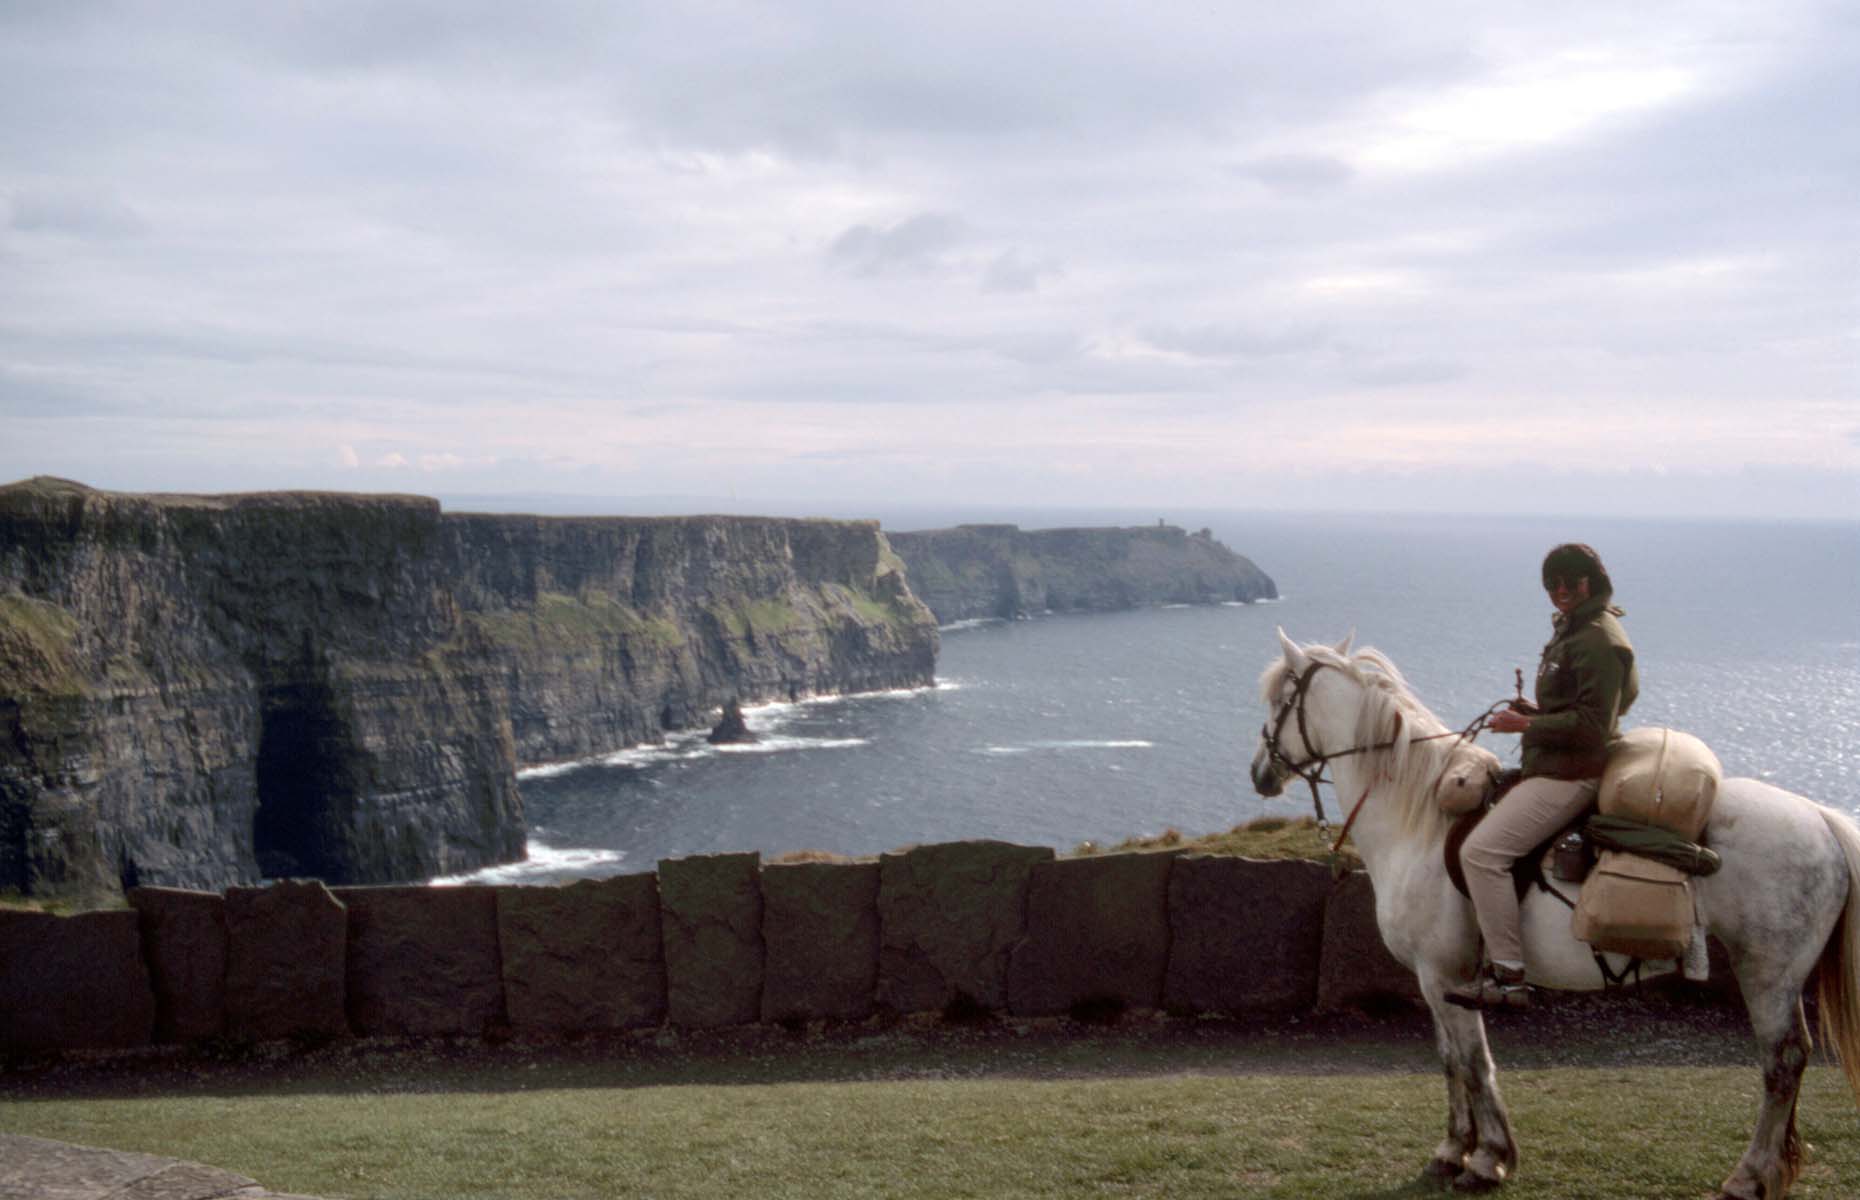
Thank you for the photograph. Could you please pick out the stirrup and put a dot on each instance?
(1496, 987)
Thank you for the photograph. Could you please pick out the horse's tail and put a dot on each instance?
(1837, 986)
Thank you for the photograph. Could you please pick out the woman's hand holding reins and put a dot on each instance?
(1508, 720)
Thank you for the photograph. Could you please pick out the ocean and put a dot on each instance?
(1072, 728)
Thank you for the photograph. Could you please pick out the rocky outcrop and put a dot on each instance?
(203, 690)
(732, 729)
(979, 571)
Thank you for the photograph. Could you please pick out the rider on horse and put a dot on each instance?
(1585, 681)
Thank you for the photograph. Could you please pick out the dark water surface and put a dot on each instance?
(1068, 728)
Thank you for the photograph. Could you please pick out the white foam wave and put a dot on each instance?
(776, 709)
(762, 719)
(543, 860)
(777, 744)
(972, 623)
(549, 770)
(684, 744)
(1128, 744)
(1123, 744)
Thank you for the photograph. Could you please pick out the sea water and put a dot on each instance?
(1073, 728)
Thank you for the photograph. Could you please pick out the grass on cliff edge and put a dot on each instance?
(1262, 837)
(1652, 1132)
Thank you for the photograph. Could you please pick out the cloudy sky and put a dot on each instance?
(812, 256)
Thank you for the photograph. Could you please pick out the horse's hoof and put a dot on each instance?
(1472, 1183)
(1440, 1172)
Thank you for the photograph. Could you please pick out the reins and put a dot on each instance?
(1311, 770)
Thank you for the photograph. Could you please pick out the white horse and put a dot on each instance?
(1786, 901)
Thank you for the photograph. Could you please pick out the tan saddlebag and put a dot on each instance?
(1661, 777)
(1635, 906)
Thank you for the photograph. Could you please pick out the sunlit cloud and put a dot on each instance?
(1531, 105)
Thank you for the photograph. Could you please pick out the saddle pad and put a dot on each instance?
(1635, 906)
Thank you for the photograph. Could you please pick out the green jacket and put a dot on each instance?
(1585, 681)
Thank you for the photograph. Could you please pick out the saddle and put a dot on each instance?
(1649, 861)
(1528, 871)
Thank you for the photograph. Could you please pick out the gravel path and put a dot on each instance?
(1574, 1031)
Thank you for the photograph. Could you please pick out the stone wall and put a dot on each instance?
(707, 941)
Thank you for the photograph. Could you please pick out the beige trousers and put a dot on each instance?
(1528, 814)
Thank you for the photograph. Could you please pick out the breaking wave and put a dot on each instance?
(545, 863)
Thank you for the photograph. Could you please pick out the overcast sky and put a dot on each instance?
(813, 256)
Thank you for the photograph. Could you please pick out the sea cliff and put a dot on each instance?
(975, 571)
(203, 690)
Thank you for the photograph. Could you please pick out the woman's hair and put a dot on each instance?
(1574, 560)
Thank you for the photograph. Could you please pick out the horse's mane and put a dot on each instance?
(1390, 712)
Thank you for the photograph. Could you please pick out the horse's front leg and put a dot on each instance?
(1479, 1151)
(1450, 1155)
(1770, 1163)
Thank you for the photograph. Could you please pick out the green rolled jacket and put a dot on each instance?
(1585, 681)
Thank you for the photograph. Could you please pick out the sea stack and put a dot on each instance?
(731, 729)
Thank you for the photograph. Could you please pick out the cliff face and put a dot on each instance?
(200, 690)
(600, 632)
(1002, 571)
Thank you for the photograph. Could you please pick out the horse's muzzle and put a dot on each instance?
(1268, 779)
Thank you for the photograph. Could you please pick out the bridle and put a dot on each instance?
(1311, 769)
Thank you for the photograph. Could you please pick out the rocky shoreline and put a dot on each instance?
(200, 691)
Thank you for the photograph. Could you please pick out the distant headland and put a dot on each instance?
(977, 571)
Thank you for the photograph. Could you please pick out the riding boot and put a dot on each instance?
(1496, 987)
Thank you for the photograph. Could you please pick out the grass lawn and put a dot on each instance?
(1585, 1132)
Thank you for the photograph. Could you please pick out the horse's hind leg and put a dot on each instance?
(1479, 1151)
(1769, 1165)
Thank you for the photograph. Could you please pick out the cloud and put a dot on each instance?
(1405, 373)
(74, 212)
(913, 244)
(555, 235)
(1235, 342)
(29, 393)
(1297, 172)
(1011, 271)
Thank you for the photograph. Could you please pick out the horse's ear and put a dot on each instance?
(1295, 656)
(1343, 647)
